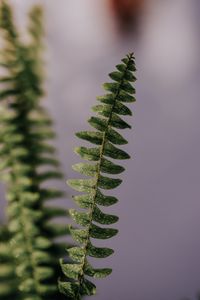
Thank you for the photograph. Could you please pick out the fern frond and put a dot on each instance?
(106, 138)
(35, 27)
(27, 162)
(36, 33)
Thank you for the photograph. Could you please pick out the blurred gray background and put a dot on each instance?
(157, 252)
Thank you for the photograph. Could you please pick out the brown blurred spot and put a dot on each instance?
(127, 13)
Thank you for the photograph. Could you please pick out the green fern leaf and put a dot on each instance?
(25, 132)
(98, 252)
(107, 122)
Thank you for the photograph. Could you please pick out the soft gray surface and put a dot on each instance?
(158, 249)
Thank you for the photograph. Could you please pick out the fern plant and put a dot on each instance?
(27, 162)
(106, 138)
(29, 252)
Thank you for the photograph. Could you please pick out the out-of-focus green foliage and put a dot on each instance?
(26, 163)
(106, 139)
(8, 279)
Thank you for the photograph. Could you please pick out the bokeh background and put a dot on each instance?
(157, 252)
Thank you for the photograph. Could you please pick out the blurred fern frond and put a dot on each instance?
(107, 139)
(28, 163)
